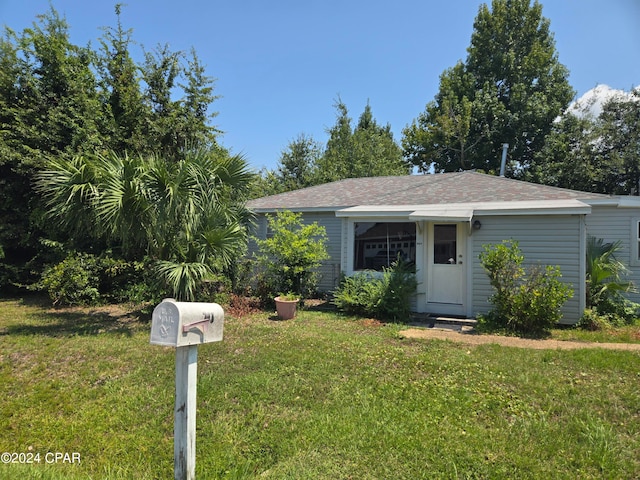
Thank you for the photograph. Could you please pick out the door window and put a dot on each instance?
(444, 244)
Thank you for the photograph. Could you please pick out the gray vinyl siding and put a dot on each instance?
(614, 224)
(259, 230)
(330, 269)
(544, 240)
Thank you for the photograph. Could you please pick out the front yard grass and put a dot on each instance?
(318, 397)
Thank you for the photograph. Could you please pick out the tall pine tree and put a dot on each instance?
(48, 107)
(368, 150)
(125, 113)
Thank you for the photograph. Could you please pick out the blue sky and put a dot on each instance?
(280, 65)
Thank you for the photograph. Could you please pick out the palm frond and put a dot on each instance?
(70, 190)
(182, 277)
(605, 273)
(223, 244)
(123, 203)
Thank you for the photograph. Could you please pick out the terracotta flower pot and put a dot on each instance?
(286, 309)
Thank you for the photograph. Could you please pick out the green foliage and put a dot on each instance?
(503, 264)
(385, 296)
(606, 285)
(510, 89)
(153, 119)
(59, 100)
(122, 100)
(289, 254)
(74, 281)
(289, 297)
(183, 277)
(359, 294)
(568, 158)
(524, 301)
(367, 150)
(85, 279)
(297, 168)
(593, 320)
(187, 215)
(126, 281)
(194, 282)
(594, 154)
(182, 124)
(48, 105)
(618, 148)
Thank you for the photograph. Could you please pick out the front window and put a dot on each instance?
(379, 244)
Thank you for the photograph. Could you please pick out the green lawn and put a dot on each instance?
(318, 397)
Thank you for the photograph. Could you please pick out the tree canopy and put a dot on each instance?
(187, 216)
(600, 154)
(59, 100)
(365, 150)
(509, 90)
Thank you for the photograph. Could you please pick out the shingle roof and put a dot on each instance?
(443, 188)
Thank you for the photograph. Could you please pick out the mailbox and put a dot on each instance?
(178, 324)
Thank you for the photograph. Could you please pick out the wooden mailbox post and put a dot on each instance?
(185, 325)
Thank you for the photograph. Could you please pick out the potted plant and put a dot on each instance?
(290, 256)
(286, 305)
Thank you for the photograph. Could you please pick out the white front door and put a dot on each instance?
(446, 267)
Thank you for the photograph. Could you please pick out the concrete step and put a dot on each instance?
(443, 322)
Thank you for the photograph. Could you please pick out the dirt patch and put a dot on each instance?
(371, 322)
(472, 338)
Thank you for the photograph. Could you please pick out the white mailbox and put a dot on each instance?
(178, 324)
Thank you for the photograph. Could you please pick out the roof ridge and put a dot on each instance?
(433, 178)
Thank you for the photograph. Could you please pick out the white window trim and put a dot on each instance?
(634, 243)
(350, 259)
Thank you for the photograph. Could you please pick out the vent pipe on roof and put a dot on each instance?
(503, 163)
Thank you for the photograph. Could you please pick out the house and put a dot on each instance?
(441, 223)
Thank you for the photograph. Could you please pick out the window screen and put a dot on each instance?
(379, 244)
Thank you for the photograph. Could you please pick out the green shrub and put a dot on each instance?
(121, 280)
(525, 302)
(85, 279)
(399, 286)
(592, 320)
(359, 294)
(606, 285)
(289, 256)
(386, 296)
(74, 281)
(217, 288)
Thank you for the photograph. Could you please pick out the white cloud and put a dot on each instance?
(590, 104)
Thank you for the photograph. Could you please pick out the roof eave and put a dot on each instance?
(294, 209)
(463, 211)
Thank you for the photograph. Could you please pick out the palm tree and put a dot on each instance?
(605, 274)
(186, 215)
